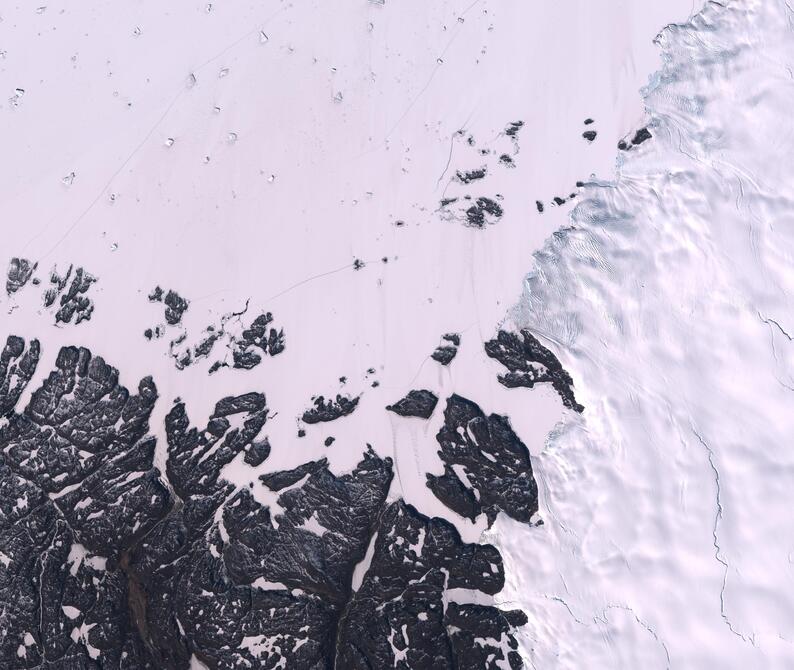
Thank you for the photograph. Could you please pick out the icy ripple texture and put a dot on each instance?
(669, 540)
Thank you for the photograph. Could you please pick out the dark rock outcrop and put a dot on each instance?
(444, 353)
(513, 127)
(175, 307)
(494, 463)
(77, 488)
(397, 619)
(530, 363)
(471, 175)
(20, 270)
(245, 346)
(73, 303)
(484, 210)
(330, 410)
(417, 403)
(257, 336)
(105, 562)
(642, 135)
(175, 304)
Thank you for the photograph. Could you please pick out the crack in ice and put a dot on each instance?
(769, 321)
(715, 539)
(642, 623)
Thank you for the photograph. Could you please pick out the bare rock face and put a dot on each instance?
(175, 304)
(529, 363)
(175, 307)
(446, 351)
(77, 489)
(20, 270)
(329, 410)
(397, 619)
(498, 472)
(642, 135)
(105, 562)
(417, 403)
(68, 292)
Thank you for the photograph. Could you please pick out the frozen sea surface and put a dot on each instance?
(669, 539)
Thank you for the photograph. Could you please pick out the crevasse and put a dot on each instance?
(668, 540)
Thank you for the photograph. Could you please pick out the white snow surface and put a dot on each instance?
(667, 540)
(105, 87)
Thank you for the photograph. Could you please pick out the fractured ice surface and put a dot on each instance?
(152, 516)
(669, 298)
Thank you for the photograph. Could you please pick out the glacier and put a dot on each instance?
(668, 297)
(389, 474)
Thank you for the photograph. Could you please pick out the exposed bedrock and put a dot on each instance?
(486, 466)
(529, 363)
(398, 618)
(419, 403)
(105, 562)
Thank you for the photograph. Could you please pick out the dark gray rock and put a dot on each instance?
(258, 336)
(513, 127)
(483, 211)
(16, 369)
(175, 304)
(471, 175)
(444, 354)
(642, 135)
(495, 461)
(330, 410)
(175, 307)
(400, 604)
(452, 337)
(20, 270)
(475, 632)
(417, 403)
(276, 481)
(73, 303)
(257, 452)
(530, 363)
(195, 458)
(451, 491)
(109, 564)
(77, 487)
